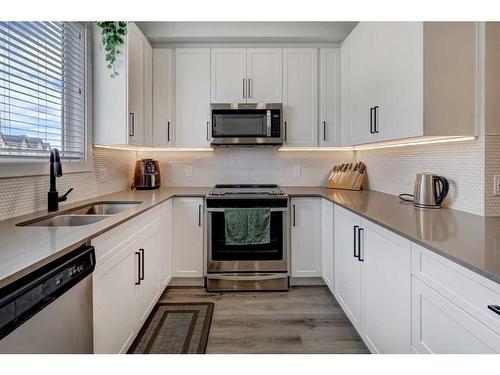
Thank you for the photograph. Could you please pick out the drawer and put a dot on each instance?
(111, 242)
(468, 290)
(441, 327)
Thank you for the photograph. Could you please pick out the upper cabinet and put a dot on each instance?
(409, 79)
(122, 104)
(300, 96)
(264, 75)
(240, 75)
(329, 97)
(163, 97)
(192, 97)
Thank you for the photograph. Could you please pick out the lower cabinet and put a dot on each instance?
(372, 282)
(327, 243)
(305, 237)
(386, 261)
(128, 282)
(187, 229)
(348, 268)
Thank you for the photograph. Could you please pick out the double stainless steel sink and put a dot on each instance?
(83, 215)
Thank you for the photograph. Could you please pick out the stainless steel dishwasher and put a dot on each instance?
(50, 309)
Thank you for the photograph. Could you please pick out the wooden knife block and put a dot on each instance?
(347, 180)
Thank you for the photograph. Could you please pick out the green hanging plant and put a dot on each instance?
(112, 38)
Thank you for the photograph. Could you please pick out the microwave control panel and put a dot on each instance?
(275, 123)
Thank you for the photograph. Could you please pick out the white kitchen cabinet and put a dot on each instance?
(166, 249)
(264, 75)
(228, 75)
(348, 273)
(410, 79)
(345, 94)
(187, 216)
(300, 96)
(120, 103)
(113, 303)
(306, 237)
(148, 94)
(163, 97)
(386, 289)
(327, 224)
(329, 97)
(192, 97)
(439, 326)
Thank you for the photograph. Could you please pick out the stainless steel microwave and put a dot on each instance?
(246, 124)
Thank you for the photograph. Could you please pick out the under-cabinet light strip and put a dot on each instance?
(157, 149)
(372, 146)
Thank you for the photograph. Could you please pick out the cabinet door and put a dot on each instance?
(327, 242)
(136, 41)
(188, 237)
(329, 102)
(163, 97)
(306, 237)
(387, 290)
(300, 96)
(441, 327)
(400, 70)
(148, 290)
(165, 255)
(228, 78)
(348, 269)
(192, 97)
(363, 80)
(345, 94)
(148, 94)
(113, 303)
(264, 73)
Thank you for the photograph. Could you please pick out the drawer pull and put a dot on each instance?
(494, 308)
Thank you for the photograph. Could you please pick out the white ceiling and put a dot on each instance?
(246, 32)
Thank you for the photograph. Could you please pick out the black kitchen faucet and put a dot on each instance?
(55, 171)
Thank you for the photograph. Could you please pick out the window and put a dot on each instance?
(42, 89)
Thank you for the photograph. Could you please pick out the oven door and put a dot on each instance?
(267, 257)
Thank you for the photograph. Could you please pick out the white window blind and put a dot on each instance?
(42, 89)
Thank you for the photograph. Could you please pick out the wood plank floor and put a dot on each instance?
(301, 320)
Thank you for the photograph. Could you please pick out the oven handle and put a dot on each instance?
(247, 277)
(273, 209)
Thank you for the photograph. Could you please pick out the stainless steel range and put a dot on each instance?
(256, 256)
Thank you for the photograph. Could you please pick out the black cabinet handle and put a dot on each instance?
(138, 282)
(371, 120)
(375, 119)
(324, 130)
(208, 130)
(355, 246)
(244, 88)
(131, 124)
(293, 212)
(286, 128)
(142, 264)
(249, 87)
(199, 215)
(359, 245)
(494, 308)
(168, 131)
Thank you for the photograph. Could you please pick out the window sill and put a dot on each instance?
(23, 168)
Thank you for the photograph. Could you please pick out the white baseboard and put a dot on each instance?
(296, 281)
(187, 281)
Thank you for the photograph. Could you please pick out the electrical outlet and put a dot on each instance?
(103, 175)
(189, 170)
(496, 185)
(296, 171)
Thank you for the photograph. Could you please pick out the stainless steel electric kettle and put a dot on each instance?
(430, 191)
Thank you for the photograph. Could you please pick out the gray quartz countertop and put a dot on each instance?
(25, 248)
(470, 240)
